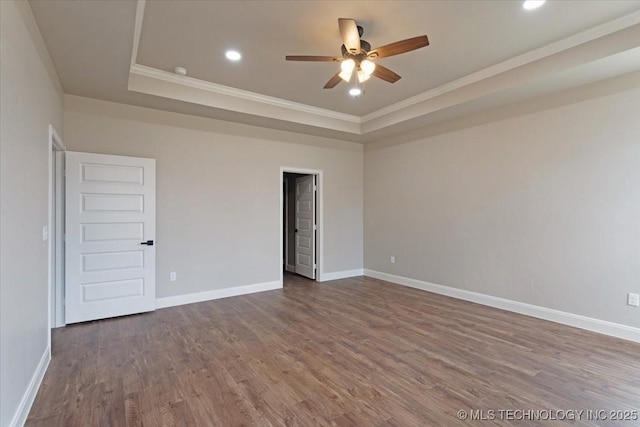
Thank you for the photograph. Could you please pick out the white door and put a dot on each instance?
(110, 232)
(306, 226)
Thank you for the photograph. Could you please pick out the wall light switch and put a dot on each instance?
(173, 276)
(392, 260)
(45, 233)
(633, 299)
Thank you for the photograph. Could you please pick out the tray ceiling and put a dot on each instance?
(482, 54)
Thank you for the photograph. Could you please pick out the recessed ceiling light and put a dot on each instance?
(181, 71)
(532, 4)
(355, 91)
(233, 55)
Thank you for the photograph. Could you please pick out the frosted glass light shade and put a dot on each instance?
(347, 67)
(362, 76)
(367, 66)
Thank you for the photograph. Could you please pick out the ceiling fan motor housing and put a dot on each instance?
(365, 47)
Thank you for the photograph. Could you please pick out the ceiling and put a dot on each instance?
(482, 54)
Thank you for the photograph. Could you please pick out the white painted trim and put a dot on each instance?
(21, 414)
(512, 63)
(285, 207)
(158, 82)
(349, 123)
(59, 164)
(216, 294)
(187, 81)
(291, 268)
(54, 143)
(595, 325)
(342, 274)
(55, 139)
(319, 215)
(137, 30)
(342, 121)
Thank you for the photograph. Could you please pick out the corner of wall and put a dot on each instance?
(38, 42)
(21, 414)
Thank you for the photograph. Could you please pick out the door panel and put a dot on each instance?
(112, 260)
(305, 226)
(112, 203)
(110, 211)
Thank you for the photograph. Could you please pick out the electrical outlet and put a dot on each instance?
(392, 260)
(633, 299)
(173, 276)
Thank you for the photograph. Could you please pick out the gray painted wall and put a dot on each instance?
(218, 191)
(542, 208)
(30, 100)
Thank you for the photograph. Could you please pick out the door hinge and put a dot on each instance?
(315, 188)
(315, 267)
(315, 227)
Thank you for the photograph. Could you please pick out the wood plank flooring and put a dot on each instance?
(353, 352)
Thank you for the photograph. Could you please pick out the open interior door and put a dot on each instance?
(110, 236)
(306, 226)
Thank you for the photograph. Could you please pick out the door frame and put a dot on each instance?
(56, 225)
(319, 217)
(285, 225)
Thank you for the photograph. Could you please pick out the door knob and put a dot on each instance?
(148, 243)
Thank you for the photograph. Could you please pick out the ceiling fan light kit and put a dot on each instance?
(358, 56)
(362, 76)
(363, 68)
(367, 66)
(346, 69)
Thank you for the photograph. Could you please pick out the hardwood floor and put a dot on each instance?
(356, 352)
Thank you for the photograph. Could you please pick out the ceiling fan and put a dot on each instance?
(358, 56)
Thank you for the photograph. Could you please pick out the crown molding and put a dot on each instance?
(221, 96)
(216, 88)
(157, 82)
(504, 75)
(137, 30)
(512, 63)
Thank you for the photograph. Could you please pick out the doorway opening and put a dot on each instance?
(301, 222)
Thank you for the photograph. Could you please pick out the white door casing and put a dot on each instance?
(56, 229)
(306, 226)
(110, 213)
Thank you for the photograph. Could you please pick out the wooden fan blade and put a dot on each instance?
(310, 58)
(399, 47)
(385, 74)
(350, 35)
(333, 81)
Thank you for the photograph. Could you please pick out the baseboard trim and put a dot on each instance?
(290, 268)
(21, 414)
(595, 325)
(216, 294)
(325, 277)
